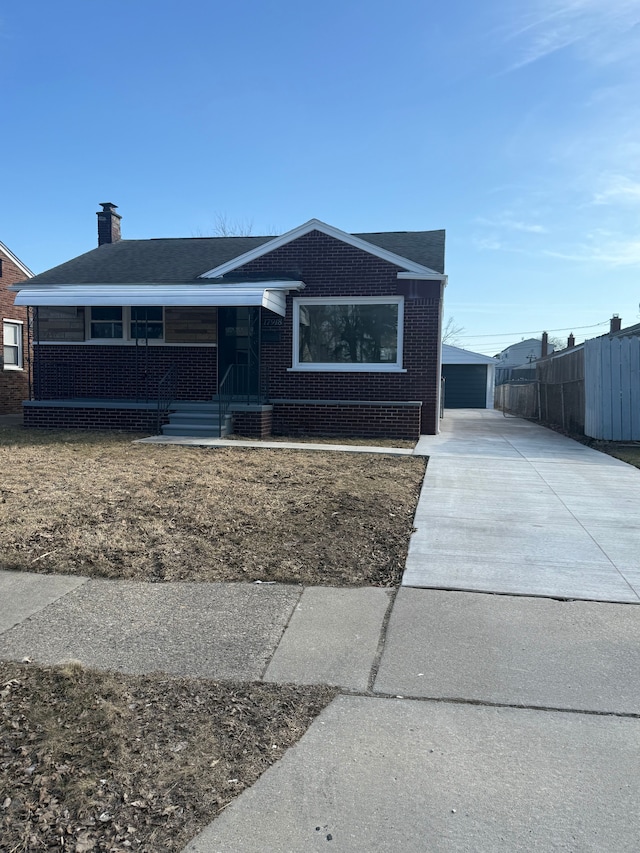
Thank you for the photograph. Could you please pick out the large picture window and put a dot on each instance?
(348, 333)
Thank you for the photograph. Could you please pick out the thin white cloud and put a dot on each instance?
(488, 244)
(619, 189)
(511, 224)
(602, 30)
(614, 253)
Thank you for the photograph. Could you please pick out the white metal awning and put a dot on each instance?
(268, 294)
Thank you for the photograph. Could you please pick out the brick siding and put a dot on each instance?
(14, 384)
(61, 417)
(332, 268)
(121, 372)
(344, 419)
(253, 424)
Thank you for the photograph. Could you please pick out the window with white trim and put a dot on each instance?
(146, 322)
(12, 345)
(106, 322)
(113, 322)
(348, 333)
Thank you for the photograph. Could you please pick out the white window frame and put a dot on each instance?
(126, 327)
(19, 325)
(347, 367)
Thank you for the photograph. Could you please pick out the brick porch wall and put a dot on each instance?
(115, 372)
(256, 424)
(62, 417)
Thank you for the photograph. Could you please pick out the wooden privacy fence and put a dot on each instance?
(612, 388)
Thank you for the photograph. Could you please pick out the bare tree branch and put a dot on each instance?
(451, 332)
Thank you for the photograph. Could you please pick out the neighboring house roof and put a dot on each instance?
(621, 333)
(16, 261)
(186, 259)
(457, 355)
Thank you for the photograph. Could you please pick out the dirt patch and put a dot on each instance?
(99, 505)
(334, 439)
(105, 762)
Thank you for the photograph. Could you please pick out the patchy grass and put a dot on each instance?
(626, 452)
(103, 762)
(96, 504)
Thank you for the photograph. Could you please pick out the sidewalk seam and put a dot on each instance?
(282, 633)
(382, 639)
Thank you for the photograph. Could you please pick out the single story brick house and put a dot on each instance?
(14, 376)
(313, 332)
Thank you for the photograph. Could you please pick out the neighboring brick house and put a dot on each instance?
(316, 331)
(14, 378)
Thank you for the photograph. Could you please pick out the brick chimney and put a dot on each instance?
(544, 349)
(571, 341)
(108, 223)
(615, 324)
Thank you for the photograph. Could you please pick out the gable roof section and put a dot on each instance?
(189, 259)
(16, 260)
(457, 355)
(355, 240)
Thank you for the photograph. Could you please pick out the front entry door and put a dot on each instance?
(239, 346)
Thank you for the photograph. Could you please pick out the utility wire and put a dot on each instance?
(535, 332)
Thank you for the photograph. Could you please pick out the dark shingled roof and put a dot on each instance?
(185, 259)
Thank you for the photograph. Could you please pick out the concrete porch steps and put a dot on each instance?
(196, 418)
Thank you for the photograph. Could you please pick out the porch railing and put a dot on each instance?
(238, 385)
(166, 394)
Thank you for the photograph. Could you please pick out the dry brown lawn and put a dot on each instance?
(103, 762)
(97, 504)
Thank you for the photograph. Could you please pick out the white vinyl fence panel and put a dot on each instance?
(612, 388)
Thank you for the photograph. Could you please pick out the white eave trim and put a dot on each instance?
(16, 261)
(329, 230)
(432, 276)
(268, 294)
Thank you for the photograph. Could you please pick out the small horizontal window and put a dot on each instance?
(146, 322)
(106, 322)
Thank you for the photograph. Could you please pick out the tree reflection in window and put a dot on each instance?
(348, 333)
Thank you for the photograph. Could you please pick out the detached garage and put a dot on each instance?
(469, 378)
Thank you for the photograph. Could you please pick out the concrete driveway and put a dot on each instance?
(511, 507)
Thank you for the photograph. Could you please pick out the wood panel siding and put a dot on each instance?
(60, 323)
(191, 325)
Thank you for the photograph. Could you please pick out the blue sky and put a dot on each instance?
(515, 126)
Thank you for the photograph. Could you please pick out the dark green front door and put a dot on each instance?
(239, 349)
